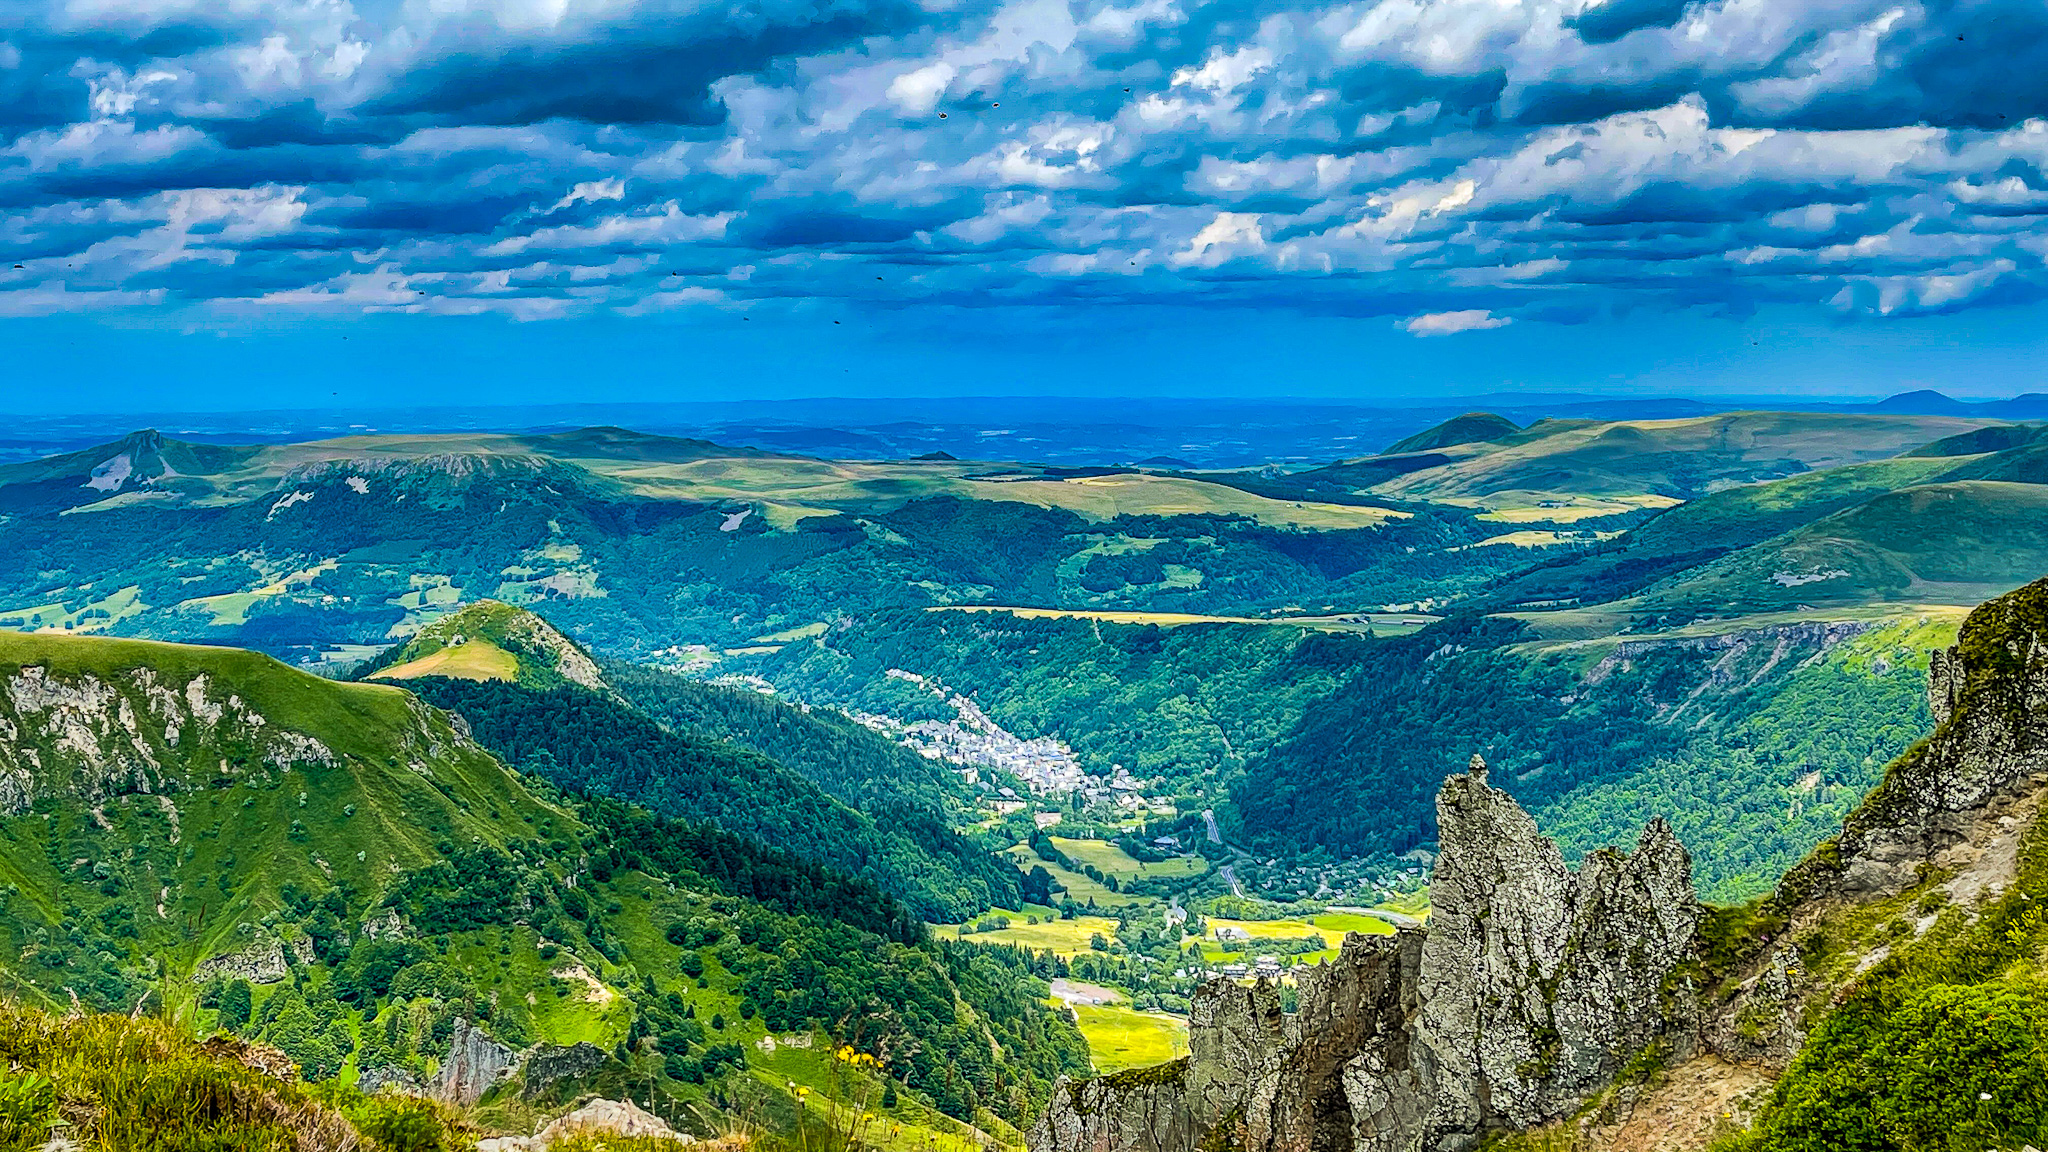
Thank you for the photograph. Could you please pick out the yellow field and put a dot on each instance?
(475, 660)
(1536, 538)
(1384, 624)
(1078, 886)
(1330, 925)
(1067, 938)
(1121, 1037)
(1114, 861)
(1557, 507)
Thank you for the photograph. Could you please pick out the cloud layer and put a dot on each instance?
(1451, 165)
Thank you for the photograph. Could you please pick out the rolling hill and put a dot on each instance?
(1946, 543)
(339, 871)
(1471, 428)
(1555, 466)
(328, 552)
(534, 698)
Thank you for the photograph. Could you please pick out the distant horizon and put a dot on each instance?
(764, 407)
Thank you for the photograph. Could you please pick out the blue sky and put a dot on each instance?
(311, 201)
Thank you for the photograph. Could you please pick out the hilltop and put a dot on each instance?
(340, 871)
(489, 640)
(1471, 428)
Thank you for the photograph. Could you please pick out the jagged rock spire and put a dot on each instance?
(1533, 984)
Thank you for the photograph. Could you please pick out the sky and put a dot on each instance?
(302, 202)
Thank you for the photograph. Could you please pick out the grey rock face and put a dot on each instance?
(551, 1065)
(1531, 987)
(260, 963)
(1538, 982)
(474, 1063)
(1989, 694)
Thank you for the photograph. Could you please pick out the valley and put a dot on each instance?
(703, 770)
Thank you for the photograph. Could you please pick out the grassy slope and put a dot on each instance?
(405, 787)
(1947, 543)
(362, 817)
(1671, 458)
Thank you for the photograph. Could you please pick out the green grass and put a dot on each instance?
(1940, 543)
(111, 1083)
(475, 660)
(1114, 861)
(396, 782)
(1068, 938)
(1121, 1037)
(1570, 460)
(1330, 925)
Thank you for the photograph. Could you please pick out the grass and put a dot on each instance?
(1330, 925)
(1940, 543)
(1380, 624)
(108, 1082)
(1114, 861)
(478, 659)
(1121, 1037)
(1645, 462)
(1068, 938)
(252, 826)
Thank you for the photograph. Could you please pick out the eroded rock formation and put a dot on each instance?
(474, 1063)
(1533, 984)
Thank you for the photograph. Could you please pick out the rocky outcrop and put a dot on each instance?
(551, 1065)
(1951, 813)
(1531, 987)
(474, 1063)
(597, 1118)
(1989, 695)
(261, 962)
(1538, 981)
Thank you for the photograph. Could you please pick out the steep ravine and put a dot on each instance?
(1537, 985)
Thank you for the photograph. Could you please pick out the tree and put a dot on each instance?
(235, 1001)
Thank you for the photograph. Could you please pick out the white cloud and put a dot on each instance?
(592, 191)
(918, 90)
(1229, 234)
(1448, 323)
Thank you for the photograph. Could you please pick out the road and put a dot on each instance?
(1397, 919)
(1228, 872)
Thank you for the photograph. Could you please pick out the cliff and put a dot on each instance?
(1534, 983)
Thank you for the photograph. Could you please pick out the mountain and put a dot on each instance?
(536, 700)
(1890, 993)
(1941, 543)
(339, 871)
(489, 640)
(1471, 428)
(1656, 463)
(328, 552)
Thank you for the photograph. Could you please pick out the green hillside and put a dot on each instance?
(1471, 428)
(853, 762)
(1668, 460)
(821, 787)
(1952, 543)
(337, 870)
(489, 640)
(591, 742)
(645, 547)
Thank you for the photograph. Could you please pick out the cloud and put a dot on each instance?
(1443, 164)
(1449, 323)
